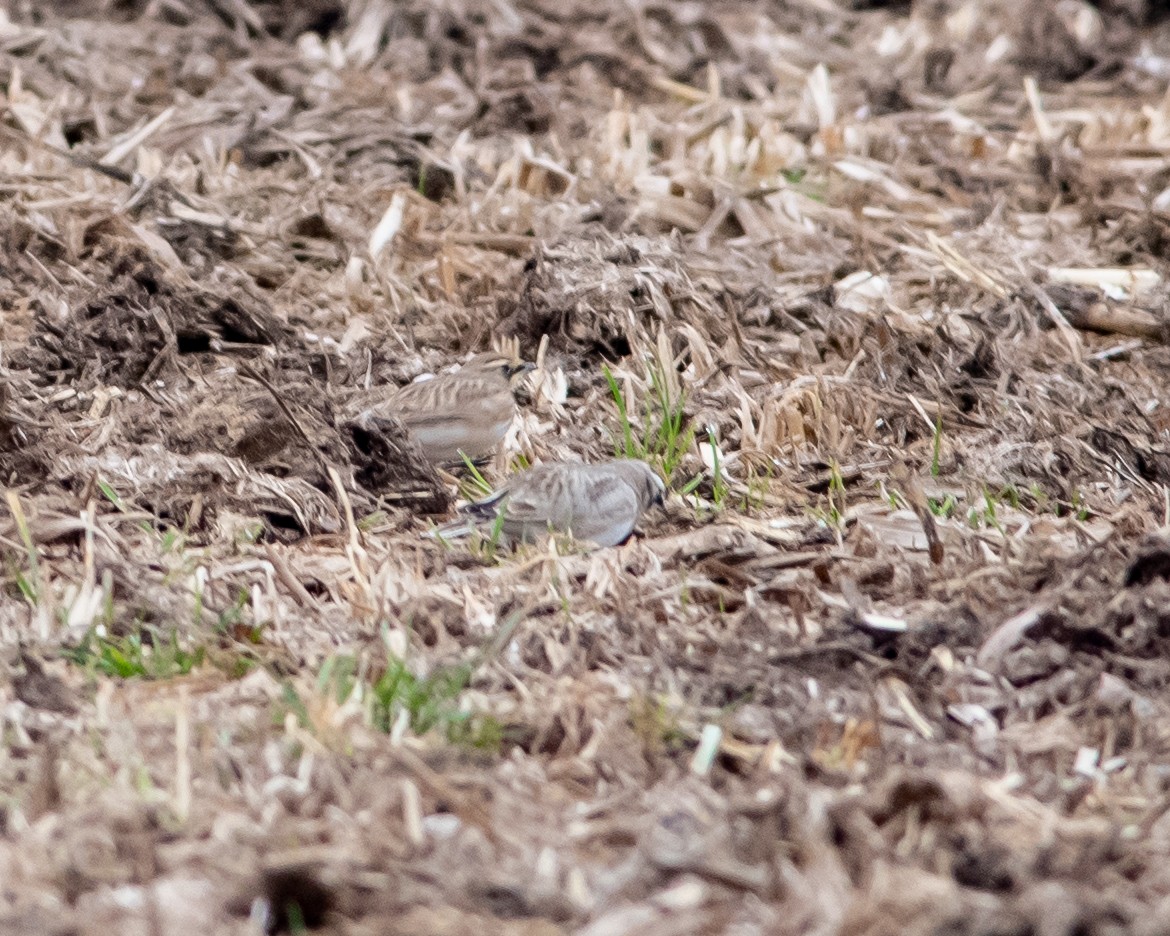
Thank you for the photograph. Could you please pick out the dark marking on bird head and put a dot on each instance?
(506, 365)
(658, 491)
(644, 480)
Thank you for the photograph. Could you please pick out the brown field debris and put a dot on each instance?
(880, 287)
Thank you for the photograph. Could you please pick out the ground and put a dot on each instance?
(880, 288)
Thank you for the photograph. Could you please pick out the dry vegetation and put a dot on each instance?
(881, 288)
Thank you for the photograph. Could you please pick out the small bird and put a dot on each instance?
(468, 411)
(597, 502)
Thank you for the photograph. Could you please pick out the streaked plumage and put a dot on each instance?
(598, 502)
(467, 411)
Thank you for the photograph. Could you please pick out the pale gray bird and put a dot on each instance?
(601, 502)
(468, 411)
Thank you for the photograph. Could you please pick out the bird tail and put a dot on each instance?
(482, 510)
(453, 529)
(476, 515)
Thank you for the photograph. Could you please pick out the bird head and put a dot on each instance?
(659, 490)
(644, 480)
(509, 366)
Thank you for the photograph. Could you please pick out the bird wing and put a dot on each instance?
(538, 500)
(449, 414)
(451, 394)
(577, 499)
(606, 511)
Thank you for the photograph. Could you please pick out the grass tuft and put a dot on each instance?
(720, 488)
(29, 584)
(144, 653)
(936, 448)
(657, 431)
(430, 703)
(474, 485)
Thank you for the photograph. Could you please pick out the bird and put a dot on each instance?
(600, 502)
(464, 413)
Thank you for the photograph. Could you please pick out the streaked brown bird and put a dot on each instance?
(599, 502)
(468, 411)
